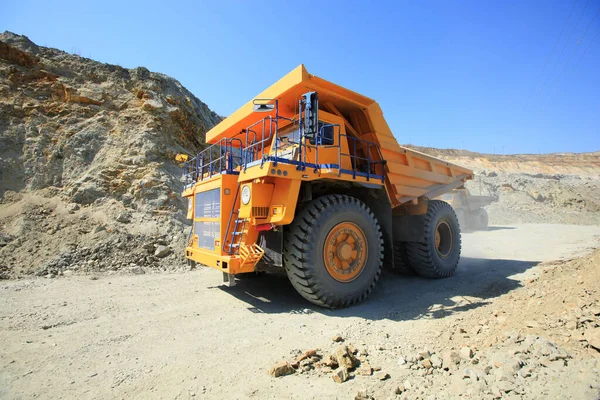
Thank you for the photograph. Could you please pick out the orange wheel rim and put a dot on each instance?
(345, 252)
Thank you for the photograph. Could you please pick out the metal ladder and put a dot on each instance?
(237, 234)
(250, 255)
(236, 246)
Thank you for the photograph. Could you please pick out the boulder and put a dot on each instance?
(162, 251)
(340, 375)
(281, 369)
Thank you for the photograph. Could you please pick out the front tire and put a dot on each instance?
(333, 251)
(438, 254)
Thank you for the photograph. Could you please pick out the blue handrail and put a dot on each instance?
(221, 159)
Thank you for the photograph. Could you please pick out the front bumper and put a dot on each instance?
(228, 264)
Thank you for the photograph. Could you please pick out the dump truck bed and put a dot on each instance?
(408, 174)
(476, 202)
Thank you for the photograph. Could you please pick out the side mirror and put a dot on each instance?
(263, 108)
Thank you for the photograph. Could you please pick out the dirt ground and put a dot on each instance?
(184, 336)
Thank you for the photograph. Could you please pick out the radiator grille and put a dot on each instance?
(260, 212)
(208, 205)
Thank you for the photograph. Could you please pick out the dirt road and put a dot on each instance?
(184, 336)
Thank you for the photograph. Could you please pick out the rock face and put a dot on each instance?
(93, 129)
(90, 134)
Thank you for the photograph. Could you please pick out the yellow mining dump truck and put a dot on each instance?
(309, 177)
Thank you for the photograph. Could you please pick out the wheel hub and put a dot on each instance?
(345, 252)
(443, 239)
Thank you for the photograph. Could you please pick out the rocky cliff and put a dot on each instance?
(86, 142)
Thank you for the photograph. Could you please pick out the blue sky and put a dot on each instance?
(489, 76)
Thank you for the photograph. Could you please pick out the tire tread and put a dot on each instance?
(297, 250)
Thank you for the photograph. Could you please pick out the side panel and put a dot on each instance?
(273, 201)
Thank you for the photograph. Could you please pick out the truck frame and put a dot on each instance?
(308, 176)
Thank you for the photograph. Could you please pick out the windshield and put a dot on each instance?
(288, 135)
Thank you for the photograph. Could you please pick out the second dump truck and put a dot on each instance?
(469, 209)
(309, 177)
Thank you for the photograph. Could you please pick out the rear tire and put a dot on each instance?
(482, 219)
(333, 251)
(438, 255)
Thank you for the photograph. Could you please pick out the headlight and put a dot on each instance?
(246, 194)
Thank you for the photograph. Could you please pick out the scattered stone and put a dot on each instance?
(424, 354)
(124, 218)
(363, 395)
(337, 338)
(352, 349)
(426, 363)
(365, 369)
(136, 270)
(340, 375)
(307, 354)
(466, 353)
(593, 338)
(345, 358)
(162, 251)
(436, 361)
(382, 376)
(281, 369)
(330, 361)
(502, 375)
(451, 358)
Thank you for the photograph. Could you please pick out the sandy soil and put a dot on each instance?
(184, 336)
